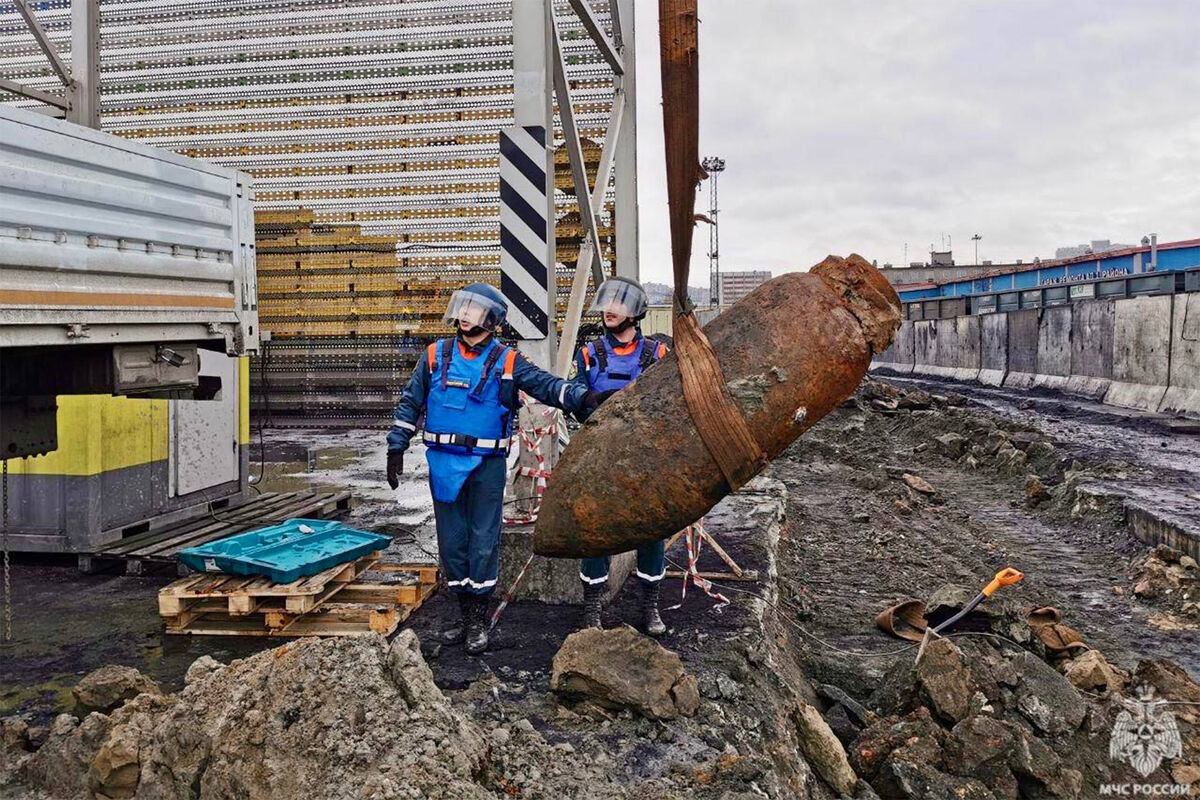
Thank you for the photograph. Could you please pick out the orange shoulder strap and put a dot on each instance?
(431, 355)
(510, 362)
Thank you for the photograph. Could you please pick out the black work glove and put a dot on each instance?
(395, 467)
(592, 401)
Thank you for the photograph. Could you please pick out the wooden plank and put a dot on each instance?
(150, 542)
(426, 573)
(748, 575)
(301, 505)
(303, 603)
(134, 542)
(380, 593)
(216, 529)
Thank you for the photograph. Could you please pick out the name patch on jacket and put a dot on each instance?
(457, 384)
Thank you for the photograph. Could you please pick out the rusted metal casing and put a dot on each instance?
(791, 351)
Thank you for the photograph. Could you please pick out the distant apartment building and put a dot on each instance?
(736, 285)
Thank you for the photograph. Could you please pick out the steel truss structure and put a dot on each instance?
(370, 128)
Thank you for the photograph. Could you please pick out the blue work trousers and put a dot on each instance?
(468, 530)
(651, 565)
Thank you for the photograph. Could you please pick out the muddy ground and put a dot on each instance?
(855, 539)
(855, 554)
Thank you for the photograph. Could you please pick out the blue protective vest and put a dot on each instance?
(608, 370)
(469, 398)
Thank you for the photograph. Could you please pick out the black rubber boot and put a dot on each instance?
(477, 628)
(593, 598)
(652, 623)
(456, 630)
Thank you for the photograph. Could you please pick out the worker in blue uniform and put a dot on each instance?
(468, 386)
(605, 366)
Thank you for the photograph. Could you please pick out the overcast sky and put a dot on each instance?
(859, 125)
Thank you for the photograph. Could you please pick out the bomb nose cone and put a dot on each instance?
(790, 351)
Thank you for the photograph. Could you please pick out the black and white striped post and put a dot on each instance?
(526, 235)
(527, 252)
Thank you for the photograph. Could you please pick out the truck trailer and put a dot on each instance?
(125, 272)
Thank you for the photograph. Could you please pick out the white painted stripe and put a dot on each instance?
(524, 281)
(523, 325)
(512, 222)
(592, 581)
(534, 195)
(651, 578)
(528, 145)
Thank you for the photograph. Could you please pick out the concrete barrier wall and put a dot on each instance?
(1053, 348)
(1022, 348)
(1183, 390)
(925, 343)
(1091, 348)
(899, 357)
(959, 353)
(1141, 352)
(993, 349)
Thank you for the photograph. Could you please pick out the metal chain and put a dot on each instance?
(7, 567)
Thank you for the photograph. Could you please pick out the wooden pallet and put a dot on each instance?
(158, 548)
(331, 603)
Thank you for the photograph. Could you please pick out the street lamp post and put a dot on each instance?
(976, 239)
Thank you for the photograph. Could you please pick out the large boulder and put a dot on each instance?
(109, 687)
(1046, 699)
(946, 679)
(1091, 672)
(621, 668)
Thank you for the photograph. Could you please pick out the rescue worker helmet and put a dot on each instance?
(477, 304)
(623, 296)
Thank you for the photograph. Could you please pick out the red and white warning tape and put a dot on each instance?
(695, 542)
(508, 596)
(532, 439)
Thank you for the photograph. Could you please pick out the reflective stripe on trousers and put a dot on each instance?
(651, 565)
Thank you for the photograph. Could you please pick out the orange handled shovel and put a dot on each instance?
(1005, 577)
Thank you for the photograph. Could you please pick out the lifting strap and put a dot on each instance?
(717, 418)
(601, 355)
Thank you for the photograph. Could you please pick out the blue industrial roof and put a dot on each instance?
(1172, 256)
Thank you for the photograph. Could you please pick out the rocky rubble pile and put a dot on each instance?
(313, 718)
(972, 720)
(1170, 581)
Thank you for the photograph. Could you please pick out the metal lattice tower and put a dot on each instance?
(714, 166)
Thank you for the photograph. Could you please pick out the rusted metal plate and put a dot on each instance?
(791, 351)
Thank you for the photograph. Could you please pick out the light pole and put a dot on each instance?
(976, 239)
(714, 166)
